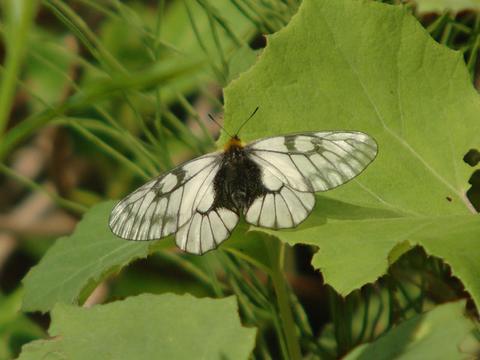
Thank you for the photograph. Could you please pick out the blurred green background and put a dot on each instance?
(98, 96)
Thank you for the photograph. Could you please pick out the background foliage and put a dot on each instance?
(97, 97)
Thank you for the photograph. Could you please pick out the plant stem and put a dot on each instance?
(342, 321)
(277, 250)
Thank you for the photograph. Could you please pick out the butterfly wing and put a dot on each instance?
(206, 230)
(294, 166)
(280, 208)
(169, 203)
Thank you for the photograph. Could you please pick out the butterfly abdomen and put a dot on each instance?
(238, 182)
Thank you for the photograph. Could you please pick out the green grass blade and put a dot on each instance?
(18, 18)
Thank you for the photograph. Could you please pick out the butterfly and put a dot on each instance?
(269, 182)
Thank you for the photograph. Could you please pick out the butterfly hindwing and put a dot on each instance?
(205, 231)
(281, 208)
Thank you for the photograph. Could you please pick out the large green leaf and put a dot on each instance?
(147, 327)
(76, 263)
(344, 64)
(423, 337)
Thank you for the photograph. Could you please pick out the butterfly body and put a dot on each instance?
(238, 181)
(270, 183)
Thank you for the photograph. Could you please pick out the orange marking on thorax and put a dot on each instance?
(234, 142)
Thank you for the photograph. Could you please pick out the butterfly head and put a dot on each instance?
(234, 144)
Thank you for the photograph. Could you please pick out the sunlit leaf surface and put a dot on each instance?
(147, 327)
(373, 68)
(78, 261)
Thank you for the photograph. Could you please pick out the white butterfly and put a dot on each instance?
(270, 182)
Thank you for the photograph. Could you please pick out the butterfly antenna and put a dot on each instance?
(243, 124)
(218, 124)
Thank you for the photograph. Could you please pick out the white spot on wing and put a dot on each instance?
(332, 158)
(181, 235)
(346, 170)
(168, 183)
(193, 167)
(297, 208)
(194, 191)
(220, 232)
(267, 216)
(304, 143)
(275, 143)
(140, 219)
(307, 169)
(206, 237)
(270, 181)
(253, 212)
(307, 199)
(127, 227)
(335, 178)
(284, 218)
(281, 163)
(193, 235)
(204, 196)
(207, 199)
(321, 163)
(229, 218)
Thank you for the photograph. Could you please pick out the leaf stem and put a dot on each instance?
(277, 251)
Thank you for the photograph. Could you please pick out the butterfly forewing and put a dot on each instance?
(316, 161)
(165, 204)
